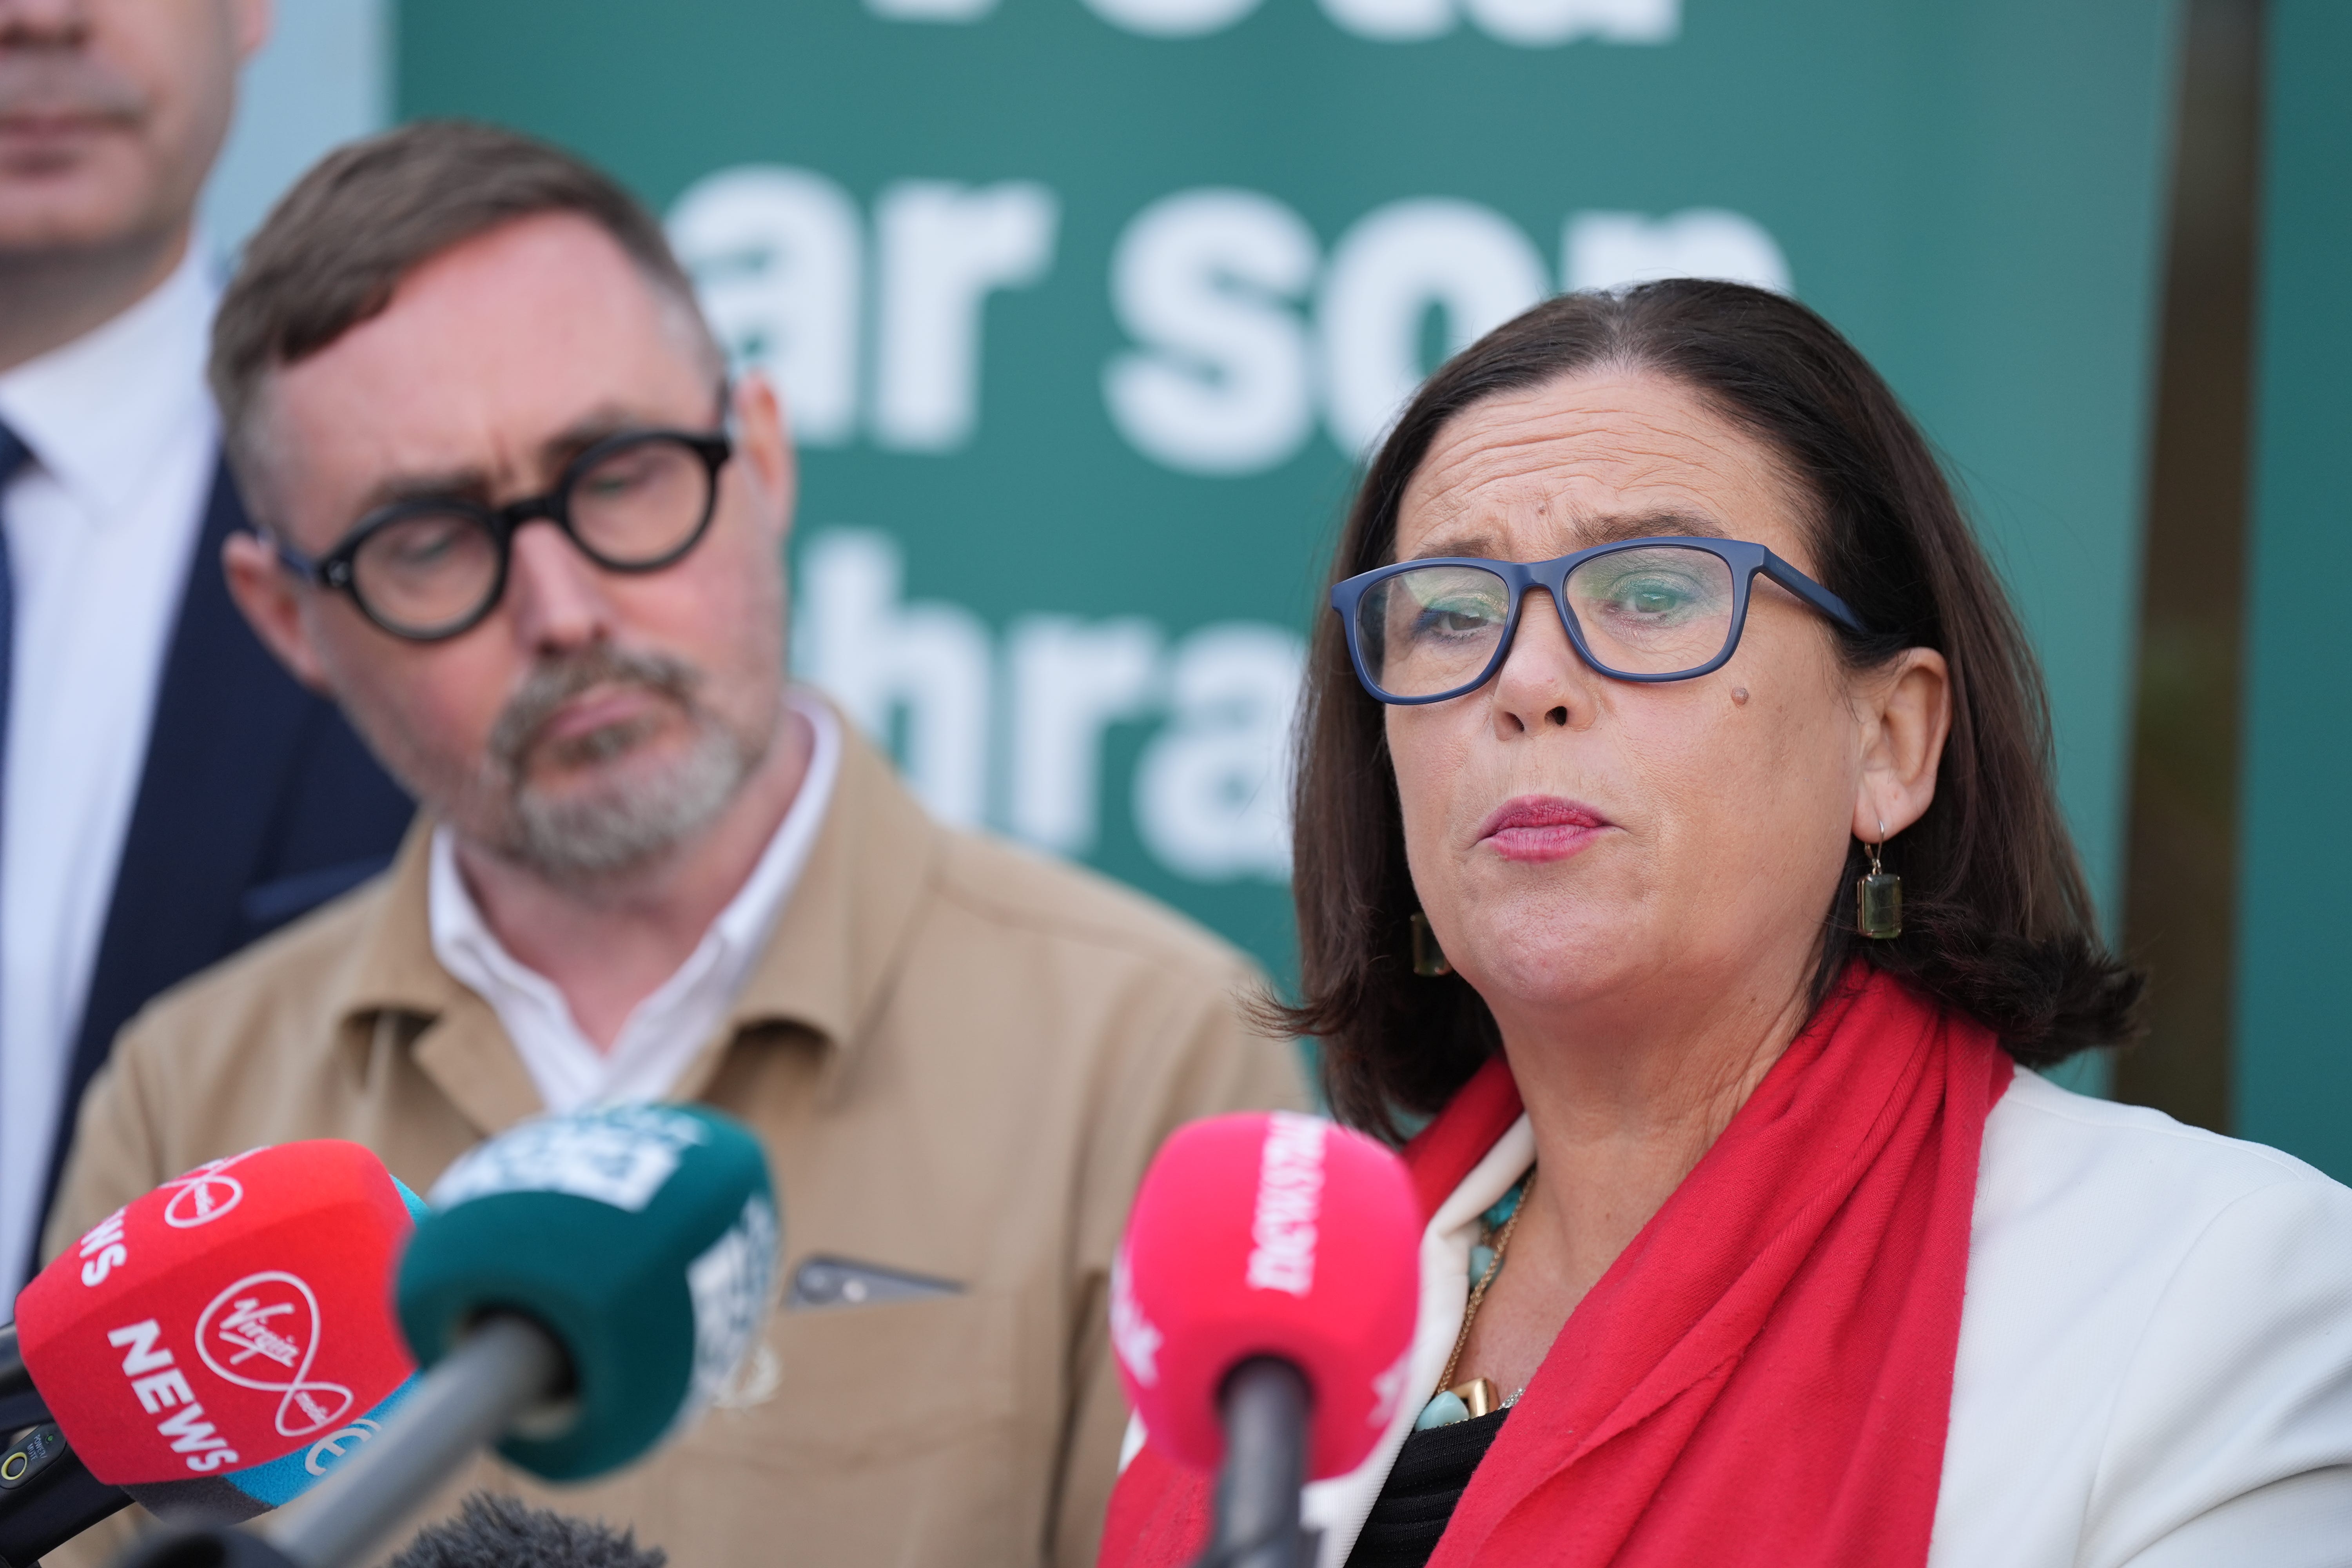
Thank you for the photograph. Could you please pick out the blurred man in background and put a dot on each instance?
(517, 520)
(166, 791)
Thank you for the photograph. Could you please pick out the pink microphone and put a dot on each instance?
(1262, 1305)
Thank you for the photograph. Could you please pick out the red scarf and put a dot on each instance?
(1764, 1377)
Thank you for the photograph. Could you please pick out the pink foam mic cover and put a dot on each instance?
(1268, 1234)
(227, 1318)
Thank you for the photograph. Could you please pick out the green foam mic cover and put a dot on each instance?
(644, 1238)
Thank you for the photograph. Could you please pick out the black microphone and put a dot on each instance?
(47, 1496)
(494, 1531)
(490, 1531)
(21, 1404)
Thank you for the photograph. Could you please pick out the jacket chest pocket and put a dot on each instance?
(889, 1381)
(884, 1433)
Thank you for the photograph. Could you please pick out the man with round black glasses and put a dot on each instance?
(501, 519)
(433, 566)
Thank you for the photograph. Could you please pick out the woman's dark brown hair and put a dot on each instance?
(1998, 922)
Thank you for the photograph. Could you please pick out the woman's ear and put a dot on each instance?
(1906, 712)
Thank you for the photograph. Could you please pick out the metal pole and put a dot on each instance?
(1265, 1403)
(497, 1372)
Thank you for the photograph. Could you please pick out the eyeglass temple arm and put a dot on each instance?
(1813, 592)
(303, 566)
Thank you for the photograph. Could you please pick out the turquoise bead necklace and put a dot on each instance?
(1462, 1401)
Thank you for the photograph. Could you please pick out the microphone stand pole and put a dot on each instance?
(1265, 1403)
(469, 1400)
(505, 1368)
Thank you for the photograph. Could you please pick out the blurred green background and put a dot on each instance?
(1085, 307)
(1969, 190)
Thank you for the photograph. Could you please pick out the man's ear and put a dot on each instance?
(272, 601)
(1908, 715)
(763, 440)
(255, 20)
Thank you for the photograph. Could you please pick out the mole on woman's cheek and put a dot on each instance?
(1740, 695)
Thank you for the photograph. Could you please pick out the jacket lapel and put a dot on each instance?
(227, 722)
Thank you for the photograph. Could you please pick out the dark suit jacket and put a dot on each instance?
(255, 803)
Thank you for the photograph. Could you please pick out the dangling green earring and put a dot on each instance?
(1428, 958)
(1878, 898)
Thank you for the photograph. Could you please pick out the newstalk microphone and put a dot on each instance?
(1263, 1304)
(211, 1350)
(582, 1287)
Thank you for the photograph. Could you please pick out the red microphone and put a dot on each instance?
(1263, 1304)
(229, 1318)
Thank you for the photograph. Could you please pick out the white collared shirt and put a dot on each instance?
(665, 1032)
(101, 523)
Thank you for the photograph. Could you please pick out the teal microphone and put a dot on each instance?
(671, 1210)
(582, 1287)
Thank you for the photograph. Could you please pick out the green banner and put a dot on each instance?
(1085, 310)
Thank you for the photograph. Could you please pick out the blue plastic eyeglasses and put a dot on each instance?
(1646, 609)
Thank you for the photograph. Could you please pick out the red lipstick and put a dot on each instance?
(1536, 827)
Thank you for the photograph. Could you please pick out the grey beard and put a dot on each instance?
(598, 832)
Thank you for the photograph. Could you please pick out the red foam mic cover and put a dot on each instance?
(1268, 1234)
(225, 1318)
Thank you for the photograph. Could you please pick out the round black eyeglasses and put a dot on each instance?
(432, 567)
(1646, 609)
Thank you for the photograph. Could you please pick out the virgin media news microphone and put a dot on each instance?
(582, 1287)
(211, 1349)
(1263, 1304)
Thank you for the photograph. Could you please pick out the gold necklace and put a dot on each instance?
(1478, 1395)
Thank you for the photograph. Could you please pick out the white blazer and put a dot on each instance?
(2154, 1364)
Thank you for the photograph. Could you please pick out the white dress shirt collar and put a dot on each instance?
(100, 527)
(665, 1031)
(100, 413)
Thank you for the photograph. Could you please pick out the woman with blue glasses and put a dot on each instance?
(1678, 859)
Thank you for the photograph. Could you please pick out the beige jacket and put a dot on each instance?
(960, 1057)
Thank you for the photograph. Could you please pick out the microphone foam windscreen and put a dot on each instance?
(496, 1531)
(227, 1319)
(234, 1496)
(1268, 1234)
(644, 1238)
